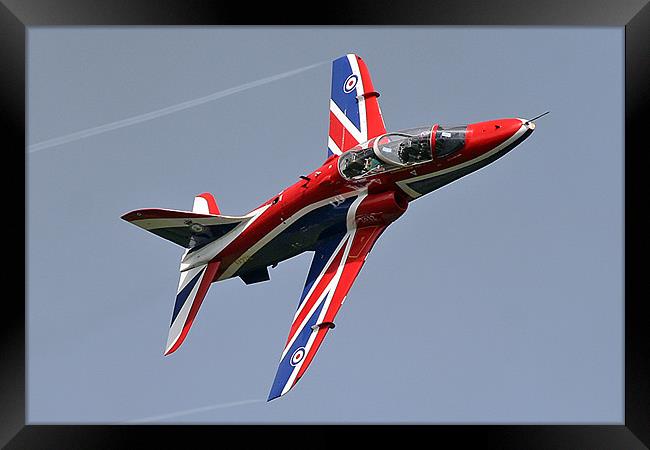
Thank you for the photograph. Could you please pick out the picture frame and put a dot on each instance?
(16, 17)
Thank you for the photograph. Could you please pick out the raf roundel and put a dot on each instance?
(297, 356)
(197, 227)
(350, 84)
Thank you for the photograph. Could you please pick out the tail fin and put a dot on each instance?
(205, 204)
(187, 229)
(192, 287)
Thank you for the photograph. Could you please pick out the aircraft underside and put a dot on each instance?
(301, 236)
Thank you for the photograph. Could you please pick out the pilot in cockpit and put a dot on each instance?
(361, 162)
(411, 150)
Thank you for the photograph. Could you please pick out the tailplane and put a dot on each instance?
(191, 230)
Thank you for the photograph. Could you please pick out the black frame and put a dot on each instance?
(633, 14)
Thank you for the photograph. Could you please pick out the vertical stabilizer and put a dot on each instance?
(205, 204)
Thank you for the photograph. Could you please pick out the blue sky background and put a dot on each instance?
(497, 299)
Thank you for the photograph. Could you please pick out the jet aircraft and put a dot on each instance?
(338, 211)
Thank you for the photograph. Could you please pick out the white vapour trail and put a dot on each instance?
(194, 411)
(164, 111)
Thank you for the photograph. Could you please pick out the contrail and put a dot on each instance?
(193, 411)
(164, 111)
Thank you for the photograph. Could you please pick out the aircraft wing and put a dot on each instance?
(335, 266)
(355, 116)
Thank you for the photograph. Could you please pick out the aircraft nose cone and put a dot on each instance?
(529, 125)
(485, 136)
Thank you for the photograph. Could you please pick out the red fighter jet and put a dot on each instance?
(338, 212)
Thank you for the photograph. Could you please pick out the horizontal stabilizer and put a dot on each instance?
(185, 228)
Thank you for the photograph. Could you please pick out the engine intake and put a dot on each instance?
(380, 209)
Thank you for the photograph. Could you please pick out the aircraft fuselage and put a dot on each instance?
(318, 204)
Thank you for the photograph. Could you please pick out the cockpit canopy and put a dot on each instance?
(404, 148)
(449, 140)
(360, 162)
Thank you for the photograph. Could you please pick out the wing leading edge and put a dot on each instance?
(335, 266)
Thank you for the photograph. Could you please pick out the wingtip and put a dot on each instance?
(277, 391)
(273, 395)
(172, 347)
(129, 216)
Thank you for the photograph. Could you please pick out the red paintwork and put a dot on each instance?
(212, 203)
(385, 202)
(433, 135)
(325, 280)
(380, 209)
(157, 213)
(363, 240)
(337, 130)
(326, 182)
(484, 136)
(374, 118)
(341, 234)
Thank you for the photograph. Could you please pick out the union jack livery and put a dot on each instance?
(338, 212)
